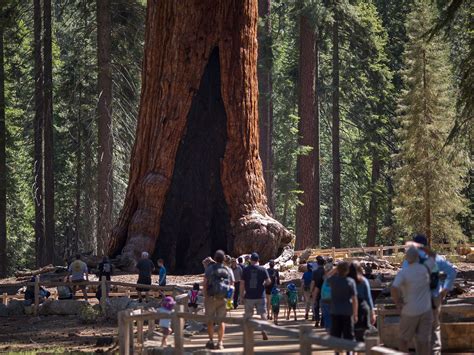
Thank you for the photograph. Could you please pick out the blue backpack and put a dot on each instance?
(326, 291)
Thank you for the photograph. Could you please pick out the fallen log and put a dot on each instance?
(29, 273)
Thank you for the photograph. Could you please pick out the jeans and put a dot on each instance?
(317, 303)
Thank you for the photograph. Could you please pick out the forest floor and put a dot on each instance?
(66, 334)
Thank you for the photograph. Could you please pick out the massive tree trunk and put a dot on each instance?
(38, 133)
(265, 105)
(196, 180)
(3, 166)
(104, 161)
(373, 205)
(306, 212)
(336, 157)
(49, 253)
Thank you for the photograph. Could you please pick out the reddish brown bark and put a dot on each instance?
(306, 219)
(172, 72)
(265, 63)
(104, 80)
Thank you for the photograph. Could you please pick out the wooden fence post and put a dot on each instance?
(381, 252)
(37, 288)
(140, 338)
(151, 328)
(178, 325)
(103, 295)
(248, 337)
(131, 336)
(333, 253)
(124, 334)
(5, 298)
(305, 343)
(371, 339)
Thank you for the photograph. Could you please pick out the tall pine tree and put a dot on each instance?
(429, 179)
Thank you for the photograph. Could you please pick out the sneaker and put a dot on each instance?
(264, 335)
(210, 344)
(220, 345)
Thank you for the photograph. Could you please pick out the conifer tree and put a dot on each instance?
(429, 178)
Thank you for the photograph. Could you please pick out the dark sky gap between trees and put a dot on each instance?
(365, 118)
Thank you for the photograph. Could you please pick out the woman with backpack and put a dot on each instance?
(325, 294)
(366, 316)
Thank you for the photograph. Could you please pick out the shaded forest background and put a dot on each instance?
(341, 146)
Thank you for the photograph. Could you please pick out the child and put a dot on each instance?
(165, 323)
(306, 286)
(275, 302)
(193, 298)
(292, 295)
(162, 275)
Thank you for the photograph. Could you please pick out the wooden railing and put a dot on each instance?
(104, 284)
(378, 250)
(305, 334)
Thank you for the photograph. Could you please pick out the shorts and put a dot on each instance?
(268, 290)
(292, 306)
(276, 309)
(165, 331)
(251, 304)
(215, 307)
(144, 281)
(193, 305)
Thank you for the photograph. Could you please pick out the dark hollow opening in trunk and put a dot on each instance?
(195, 220)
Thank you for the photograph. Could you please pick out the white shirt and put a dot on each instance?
(414, 283)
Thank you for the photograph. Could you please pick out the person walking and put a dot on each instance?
(439, 289)
(252, 289)
(145, 268)
(366, 316)
(344, 306)
(325, 295)
(105, 269)
(162, 273)
(275, 281)
(237, 271)
(306, 289)
(411, 293)
(218, 281)
(78, 273)
(275, 301)
(317, 283)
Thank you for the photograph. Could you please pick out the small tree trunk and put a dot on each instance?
(77, 212)
(265, 64)
(306, 212)
(89, 242)
(38, 133)
(104, 161)
(49, 250)
(3, 166)
(196, 180)
(373, 205)
(336, 158)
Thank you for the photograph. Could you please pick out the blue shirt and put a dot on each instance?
(253, 277)
(162, 280)
(363, 292)
(445, 267)
(307, 278)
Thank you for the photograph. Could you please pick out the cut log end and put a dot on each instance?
(261, 234)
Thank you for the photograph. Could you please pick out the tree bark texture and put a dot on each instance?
(195, 168)
(336, 156)
(265, 64)
(3, 166)
(38, 133)
(306, 211)
(104, 161)
(49, 252)
(373, 205)
(78, 209)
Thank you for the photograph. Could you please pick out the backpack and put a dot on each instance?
(106, 268)
(193, 297)
(275, 300)
(307, 278)
(292, 297)
(434, 273)
(64, 292)
(218, 283)
(272, 274)
(326, 291)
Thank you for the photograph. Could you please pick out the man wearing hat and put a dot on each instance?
(411, 293)
(316, 284)
(437, 264)
(252, 289)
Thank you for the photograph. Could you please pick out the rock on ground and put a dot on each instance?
(15, 308)
(62, 307)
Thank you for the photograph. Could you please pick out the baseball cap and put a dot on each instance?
(420, 239)
(254, 257)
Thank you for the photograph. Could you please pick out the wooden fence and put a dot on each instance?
(128, 318)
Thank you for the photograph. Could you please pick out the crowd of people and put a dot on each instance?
(337, 295)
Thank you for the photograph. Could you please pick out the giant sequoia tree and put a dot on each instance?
(196, 181)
